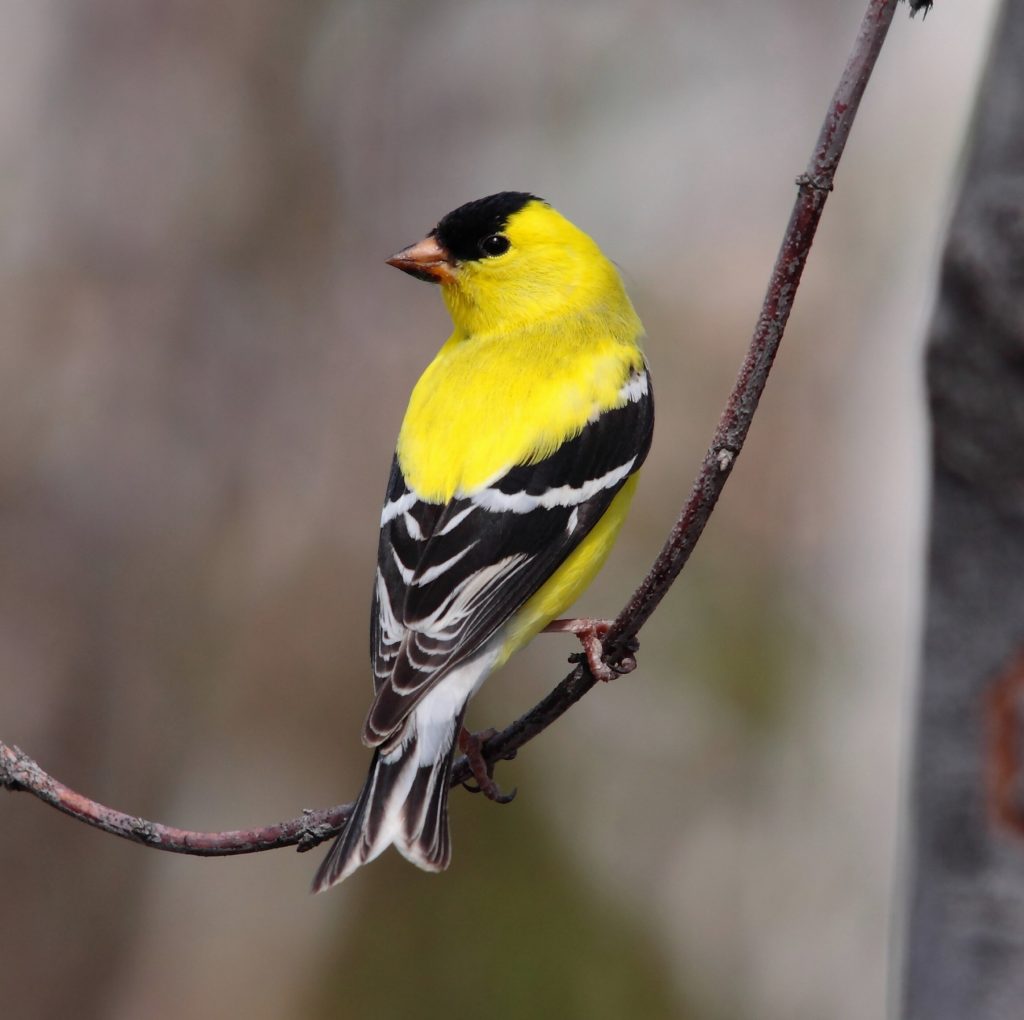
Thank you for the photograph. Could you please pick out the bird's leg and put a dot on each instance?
(591, 634)
(470, 745)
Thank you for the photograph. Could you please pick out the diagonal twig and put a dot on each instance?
(19, 772)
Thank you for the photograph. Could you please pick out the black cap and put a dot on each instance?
(462, 230)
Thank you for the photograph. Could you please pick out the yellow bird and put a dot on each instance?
(514, 469)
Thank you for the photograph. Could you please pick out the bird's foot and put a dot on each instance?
(591, 634)
(483, 771)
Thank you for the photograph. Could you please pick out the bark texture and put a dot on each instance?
(965, 939)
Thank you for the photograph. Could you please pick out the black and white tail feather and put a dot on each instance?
(403, 804)
(449, 578)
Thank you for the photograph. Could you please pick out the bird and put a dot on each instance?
(514, 468)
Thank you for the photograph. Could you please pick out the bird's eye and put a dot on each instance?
(494, 244)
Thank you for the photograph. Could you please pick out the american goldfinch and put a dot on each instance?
(515, 466)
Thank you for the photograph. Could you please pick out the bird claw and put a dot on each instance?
(591, 634)
(483, 771)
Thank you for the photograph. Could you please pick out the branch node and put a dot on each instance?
(725, 458)
(12, 762)
(145, 831)
(815, 182)
(312, 833)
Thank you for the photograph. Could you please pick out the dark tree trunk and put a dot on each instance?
(965, 935)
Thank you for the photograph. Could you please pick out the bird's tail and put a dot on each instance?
(402, 802)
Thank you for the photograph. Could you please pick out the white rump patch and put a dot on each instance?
(436, 713)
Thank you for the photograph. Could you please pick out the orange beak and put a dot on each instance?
(426, 260)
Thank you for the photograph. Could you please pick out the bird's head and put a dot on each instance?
(511, 259)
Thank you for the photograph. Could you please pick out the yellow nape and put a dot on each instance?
(567, 583)
(545, 337)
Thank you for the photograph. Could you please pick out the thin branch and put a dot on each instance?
(19, 772)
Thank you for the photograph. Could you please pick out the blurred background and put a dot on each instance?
(203, 366)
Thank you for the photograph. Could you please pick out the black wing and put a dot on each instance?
(449, 575)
